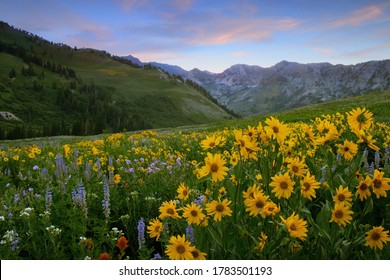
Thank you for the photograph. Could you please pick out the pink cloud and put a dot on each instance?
(358, 17)
(326, 51)
(127, 5)
(223, 31)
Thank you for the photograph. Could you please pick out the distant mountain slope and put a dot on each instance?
(55, 89)
(252, 90)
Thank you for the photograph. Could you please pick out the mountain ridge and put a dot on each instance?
(253, 90)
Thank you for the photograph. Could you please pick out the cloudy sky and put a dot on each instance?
(213, 34)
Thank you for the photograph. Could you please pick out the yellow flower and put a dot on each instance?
(379, 184)
(117, 179)
(348, 149)
(211, 142)
(341, 214)
(270, 209)
(377, 237)
(197, 254)
(215, 165)
(219, 209)
(234, 159)
(168, 209)
(254, 205)
(296, 167)
(296, 226)
(276, 129)
(183, 192)
(359, 119)
(308, 186)
(247, 145)
(155, 228)
(363, 190)
(193, 214)
(282, 185)
(179, 248)
(367, 139)
(249, 193)
(343, 195)
(262, 241)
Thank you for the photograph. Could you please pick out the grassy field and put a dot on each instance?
(314, 186)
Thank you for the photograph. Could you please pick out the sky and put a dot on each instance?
(213, 35)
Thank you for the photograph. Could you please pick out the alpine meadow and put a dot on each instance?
(101, 158)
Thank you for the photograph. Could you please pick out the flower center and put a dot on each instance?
(295, 169)
(341, 197)
(170, 211)
(157, 229)
(195, 254)
(194, 213)
(211, 144)
(180, 249)
(377, 183)
(214, 167)
(346, 149)
(219, 208)
(375, 236)
(363, 187)
(275, 129)
(259, 204)
(293, 227)
(339, 214)
(185, 192)
(307, 186)
(283, 185)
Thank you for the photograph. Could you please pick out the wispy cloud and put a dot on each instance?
(358, 17)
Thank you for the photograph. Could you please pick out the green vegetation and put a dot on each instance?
(58, 90)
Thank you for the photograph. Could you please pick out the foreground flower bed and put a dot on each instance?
(272, 190)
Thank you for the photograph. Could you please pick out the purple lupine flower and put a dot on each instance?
(87, 171)
(190, 235)
(16, 197)
(79, 198)
(377, 159)
(35, 167)
(61, 169)
(199, 200)
(323, 171)
(141, 232)
(156, 256)
(372, 168)
(48, 200)
(106, 200)
(178, 161)
(131, 170)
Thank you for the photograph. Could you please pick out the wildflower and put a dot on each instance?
(117, 179)
(348, 149)
(168, 209)
(262, 241)
(179, 248)
(104, 256)
(156, 256)
(343, 195)
(377, 237)
(363, 190)
(141, 233)
(234, 159)
(197, 254)
(246, 144)
(122, 243)
(193, 214)
(155, 228)
(183, 192)
(341, 214)
(270, 209)
(190, 234)
(215, 165)
(359, 119)
(211, 142)
(308, 186)
(219, 209)
(379, 184)
(296, 226)
(249, 193)
(276, 129)
(106, 200)
(296, 167)
(282, 185)
(255, 205)
(367, 139)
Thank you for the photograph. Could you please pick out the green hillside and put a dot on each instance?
(58, 90)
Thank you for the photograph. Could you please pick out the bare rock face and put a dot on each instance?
(251, 90)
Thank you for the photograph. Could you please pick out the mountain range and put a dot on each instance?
(253, 90)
